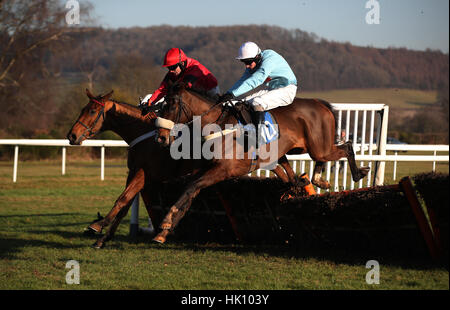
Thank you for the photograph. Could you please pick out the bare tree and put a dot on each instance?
(29, 32)
(24, 27)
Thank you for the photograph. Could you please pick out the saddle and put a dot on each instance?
(245, 114)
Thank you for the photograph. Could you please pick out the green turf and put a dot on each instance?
(42, 217)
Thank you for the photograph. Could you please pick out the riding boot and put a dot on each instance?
(258, 121)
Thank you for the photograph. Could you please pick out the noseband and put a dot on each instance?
(88, 129)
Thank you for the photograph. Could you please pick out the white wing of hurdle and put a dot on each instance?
(377, 124)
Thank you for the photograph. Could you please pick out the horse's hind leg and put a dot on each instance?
(134, 186)
(357, 173)
(317, 180)
(338, 152)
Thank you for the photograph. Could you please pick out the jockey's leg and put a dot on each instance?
(270, 99)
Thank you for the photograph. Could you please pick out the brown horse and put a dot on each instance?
(146, 160)
(148, 163)
(305, 126)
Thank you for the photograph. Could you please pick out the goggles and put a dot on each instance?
(173, 67)
(248, 62)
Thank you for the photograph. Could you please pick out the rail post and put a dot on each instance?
(16, 159)
(134, 221)
(102, 168)
(63, 164)
(382, 141)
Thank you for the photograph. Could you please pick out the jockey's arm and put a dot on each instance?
(249, 81)
(158, 94)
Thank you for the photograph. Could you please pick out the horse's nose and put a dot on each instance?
(162, 140)
(72, 137)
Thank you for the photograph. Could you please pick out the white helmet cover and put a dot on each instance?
(248, 50)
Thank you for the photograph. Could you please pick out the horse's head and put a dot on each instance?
(91, 119)
(176, 110)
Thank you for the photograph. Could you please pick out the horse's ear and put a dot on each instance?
(89, 94)
(108, 95)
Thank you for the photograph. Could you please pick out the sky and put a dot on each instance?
(414, 24)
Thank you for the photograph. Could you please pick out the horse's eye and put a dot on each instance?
(92, 112)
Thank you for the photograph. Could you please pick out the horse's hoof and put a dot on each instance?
(98, 245)
(95, 228)
(322, 184)
(89, 232)
(159, 239)
(362, 172)
(165, 226)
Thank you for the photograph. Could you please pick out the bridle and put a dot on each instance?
(188, 111)
(88, 129)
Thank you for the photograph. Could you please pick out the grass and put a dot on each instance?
(395, 98)
(42, 217)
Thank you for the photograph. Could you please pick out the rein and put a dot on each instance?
(88, 129)
(184, 109)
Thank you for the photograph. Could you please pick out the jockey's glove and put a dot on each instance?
(225, 97)
(148, 109)
(145, 108)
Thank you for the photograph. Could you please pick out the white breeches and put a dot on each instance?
(269, 99)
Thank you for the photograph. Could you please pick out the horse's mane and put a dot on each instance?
(130, 109)
(203, 94)
(177, 87)
(124, 103)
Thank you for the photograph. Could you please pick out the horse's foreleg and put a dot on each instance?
(279, 172)
(100, 243)
(134, 186)
(283, 161)
(179, 209)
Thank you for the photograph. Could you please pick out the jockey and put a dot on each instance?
(268, 81)
(182, 68)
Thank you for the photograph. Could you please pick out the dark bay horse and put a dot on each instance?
(306, 126)
(148, 163)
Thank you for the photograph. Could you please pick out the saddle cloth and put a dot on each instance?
(267, 128)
